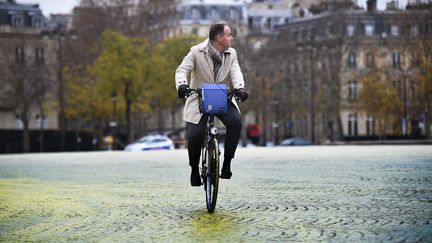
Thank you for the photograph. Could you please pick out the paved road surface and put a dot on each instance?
(316, 193)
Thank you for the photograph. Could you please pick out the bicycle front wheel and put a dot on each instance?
(212, 175)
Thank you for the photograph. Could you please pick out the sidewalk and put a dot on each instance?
(384, 142)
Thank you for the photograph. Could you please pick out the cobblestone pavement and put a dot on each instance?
(314, 193)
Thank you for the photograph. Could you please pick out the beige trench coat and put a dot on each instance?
(197, 68)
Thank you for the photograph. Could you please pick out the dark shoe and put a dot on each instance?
(226, 172)
(195, 178)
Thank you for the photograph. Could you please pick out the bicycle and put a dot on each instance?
(210, 153)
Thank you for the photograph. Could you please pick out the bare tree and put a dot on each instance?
(29, 88)
(26, 82)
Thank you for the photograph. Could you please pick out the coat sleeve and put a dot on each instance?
(236, 74)
(184, 70)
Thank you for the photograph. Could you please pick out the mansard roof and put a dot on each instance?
(14, 6)
(214, 2)
(29, 15)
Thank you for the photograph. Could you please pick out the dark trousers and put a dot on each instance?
(196, 134)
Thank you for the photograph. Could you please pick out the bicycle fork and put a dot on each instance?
(211, 133)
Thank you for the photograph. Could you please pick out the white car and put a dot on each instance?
(295, 142)
(151, 142)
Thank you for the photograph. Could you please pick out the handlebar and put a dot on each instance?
(232, 93)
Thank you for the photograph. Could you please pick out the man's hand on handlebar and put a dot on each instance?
(242, 94)
(182, 91)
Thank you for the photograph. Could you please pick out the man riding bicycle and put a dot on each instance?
(211, 61)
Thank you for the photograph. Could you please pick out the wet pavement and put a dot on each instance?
(313, 193)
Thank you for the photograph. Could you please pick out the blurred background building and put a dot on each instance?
(198, 15)
(330, 53)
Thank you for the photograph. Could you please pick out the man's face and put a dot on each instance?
(225, 39)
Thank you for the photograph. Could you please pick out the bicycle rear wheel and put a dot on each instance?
(212, 175)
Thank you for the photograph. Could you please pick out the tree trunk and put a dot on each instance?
(128, 101)
(173, 119)
(41, 128)
(380, 130)
(41, 138)
(160, 120)
(427, 119)
(427, 124)
(339, 127)
(26, 136)
(264, 130)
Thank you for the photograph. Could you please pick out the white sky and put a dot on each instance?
(65, 6)
(53, 6)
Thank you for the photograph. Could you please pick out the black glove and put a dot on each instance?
(242, 94)
(182, 91)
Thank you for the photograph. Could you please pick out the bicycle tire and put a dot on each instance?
(212, 175)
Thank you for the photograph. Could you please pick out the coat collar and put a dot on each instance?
(203, 46)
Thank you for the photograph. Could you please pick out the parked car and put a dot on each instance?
(151, 142)
(295, 142)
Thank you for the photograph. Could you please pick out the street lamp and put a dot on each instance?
(276, 122)
(311, 47)
(61, 114)
(113, 122)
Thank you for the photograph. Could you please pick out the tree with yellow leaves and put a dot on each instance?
(379, 99)
(123, 67)
(166, 57)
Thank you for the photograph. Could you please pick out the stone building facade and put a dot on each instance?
(327, 56)
(28, 68)
(196, 16)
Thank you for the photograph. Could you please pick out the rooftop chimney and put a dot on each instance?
(371, 5)
(392, 5)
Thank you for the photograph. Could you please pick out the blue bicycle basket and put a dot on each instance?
(214, 99)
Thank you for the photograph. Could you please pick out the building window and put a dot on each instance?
(19, 54)
(254, 23)
(396, 59)
(352, 62)
(268, 23)
(369, 29)
(39, 53)
(414, 30)
(394, 30)
(352, 90)
(195, 13)
(370, 126)
(37, 23)
(233, 14)
(17, 21)
(370, 60)
(19, 123)
(352, 125)
(213, 14)
(415, 59)
(350, 30)
(195, 31)
(41, 121)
